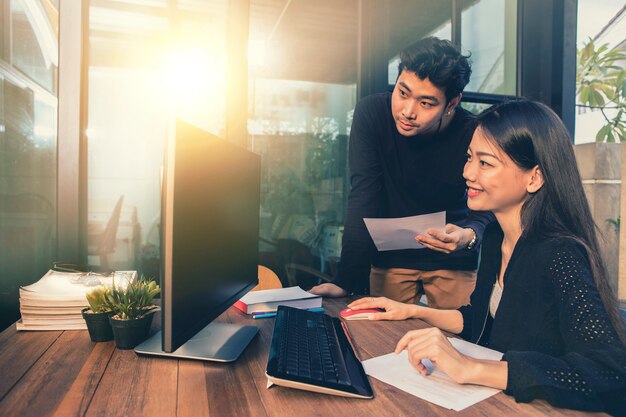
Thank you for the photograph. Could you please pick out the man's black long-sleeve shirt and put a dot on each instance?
(396, 176)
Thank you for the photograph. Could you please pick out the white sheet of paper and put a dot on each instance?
(73, 285)
(65, 285)
(279, 294)
(400, 232)
(437, 387)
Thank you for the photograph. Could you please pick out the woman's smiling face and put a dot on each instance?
(494, 182)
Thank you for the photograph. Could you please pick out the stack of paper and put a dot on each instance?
(56, 300)
(268, 300)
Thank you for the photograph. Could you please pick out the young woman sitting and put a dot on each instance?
(542, 295)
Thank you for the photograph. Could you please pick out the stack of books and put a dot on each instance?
(262, 304)
(56, 300)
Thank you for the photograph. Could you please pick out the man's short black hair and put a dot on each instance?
(440, 62)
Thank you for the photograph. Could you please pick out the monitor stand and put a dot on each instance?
(220, 342)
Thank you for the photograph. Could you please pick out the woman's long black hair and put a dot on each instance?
(531, 134)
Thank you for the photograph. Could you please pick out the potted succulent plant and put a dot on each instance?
(97, 315)
(132, 312)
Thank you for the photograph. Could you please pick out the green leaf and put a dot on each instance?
(610, 138)
(608, 90)
(597, 98)
(587, 51)
(602, 133)
(133, 301)
(584, 94)
(592, 98)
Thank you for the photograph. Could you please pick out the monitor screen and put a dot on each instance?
(209, 236)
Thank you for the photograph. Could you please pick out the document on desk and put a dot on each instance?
(400, 232)
(437, 387)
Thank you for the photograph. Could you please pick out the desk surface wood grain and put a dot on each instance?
(64, 374)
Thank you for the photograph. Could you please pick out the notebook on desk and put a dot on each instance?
(312, 351)
(269, 300)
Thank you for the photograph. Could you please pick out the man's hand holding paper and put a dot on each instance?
(400, 233)
(451, 239)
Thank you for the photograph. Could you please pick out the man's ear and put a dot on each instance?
(453, 103)
(536, 180)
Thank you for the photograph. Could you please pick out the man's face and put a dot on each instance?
(417, 105)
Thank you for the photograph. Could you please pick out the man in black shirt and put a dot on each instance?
(407, 152)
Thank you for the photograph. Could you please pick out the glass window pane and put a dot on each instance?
(475, 108)
(28, 156)
(34, 41)
(413, 20)
(493, 50)
(302, 92)
(150, 62)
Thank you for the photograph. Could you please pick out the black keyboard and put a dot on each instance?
(312, 351)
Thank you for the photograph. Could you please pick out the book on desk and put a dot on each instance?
(267, 301)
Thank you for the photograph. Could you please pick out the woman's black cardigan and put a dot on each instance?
(556, 335)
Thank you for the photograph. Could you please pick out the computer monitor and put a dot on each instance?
(209, 245)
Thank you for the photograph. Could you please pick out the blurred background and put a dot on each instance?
(85, 112)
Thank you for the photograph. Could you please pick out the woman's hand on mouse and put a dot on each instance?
(393, 309)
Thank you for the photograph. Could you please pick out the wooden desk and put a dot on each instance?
(62, 373)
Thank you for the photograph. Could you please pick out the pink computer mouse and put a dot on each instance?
(364, 314)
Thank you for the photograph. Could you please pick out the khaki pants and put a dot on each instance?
(444, 289)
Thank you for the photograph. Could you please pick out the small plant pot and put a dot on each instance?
(129, 333)
(98, 325)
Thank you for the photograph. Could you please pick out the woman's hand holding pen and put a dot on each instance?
(433, 345)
